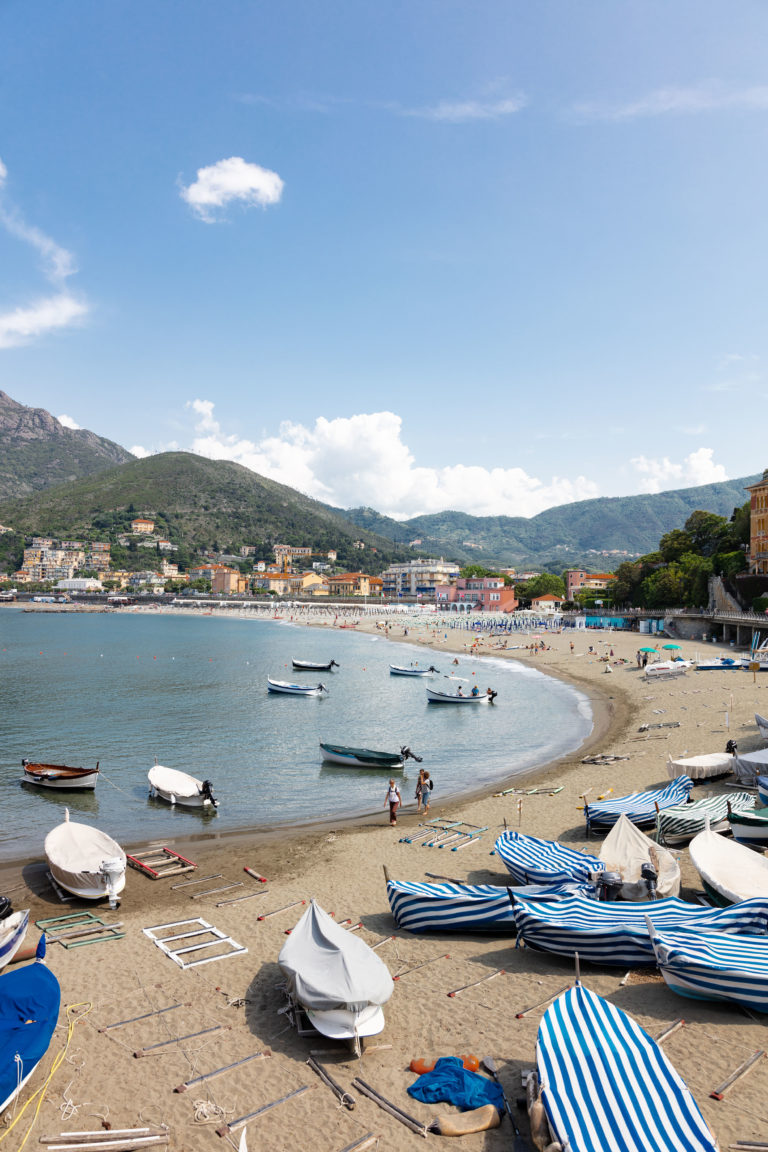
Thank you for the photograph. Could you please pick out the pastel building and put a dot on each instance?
(577, 581)
(479, 593)
(758, 526)
(140, 525)
(418, 578)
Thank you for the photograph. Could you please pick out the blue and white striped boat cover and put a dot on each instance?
(710, 966)
(640, 807)
(608, 1087)
(533, 861)
(762, 790)
(684, 821)
(462, 907)
(616, 932)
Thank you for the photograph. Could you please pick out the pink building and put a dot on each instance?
(576, 581)
(481, 593)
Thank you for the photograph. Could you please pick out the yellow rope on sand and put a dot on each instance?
(72, 1020)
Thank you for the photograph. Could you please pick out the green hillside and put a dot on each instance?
(571, 534)
(203, 504)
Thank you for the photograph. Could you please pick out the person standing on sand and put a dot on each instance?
(419, 791)
(394, 800)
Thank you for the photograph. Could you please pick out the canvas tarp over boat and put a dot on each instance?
(179, 784)
(76, 853)
(640, 807)
(711, 966)
(733, 871)
(29, 1008)
(750, 765)
(700, 767)
(328, 968)
(625, 850)
(608, 1087)
(533, 861)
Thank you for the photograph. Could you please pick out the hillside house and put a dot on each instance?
(547, 603)
(140, 526)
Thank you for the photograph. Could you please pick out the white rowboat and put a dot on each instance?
(295, 689)
(86, 862)
(180, 788)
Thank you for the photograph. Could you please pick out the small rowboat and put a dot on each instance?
(713, 965)
(412, 670)
(730, 872)
(366, 757)
(750, 828)
(607, 1086)
(311, 666)
(707, 767)
(295, 689)
(13, 928)
(59, 775)
(180, 788)
(86, 862)
(30, 998)
(666, 669)
(435, 697)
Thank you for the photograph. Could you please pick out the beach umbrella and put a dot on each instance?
(670, 645)
(647, 649)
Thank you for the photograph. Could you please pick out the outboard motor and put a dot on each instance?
(110, 872)
(406, 754)
(731, 747)
(6, 908)
(333, 664)
(610, 885)
(207, 794)
(649, 874)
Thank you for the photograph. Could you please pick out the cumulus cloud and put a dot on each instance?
(362, 460)
(465, 111)
(68, 422)
(678, 101)
(230, 181)
(660, 475)
(23, 324)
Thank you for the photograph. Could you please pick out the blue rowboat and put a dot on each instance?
(713, 966)
(29, 1009)
(606, 1086)
(639, 807)
(533, 861)
(366, 757)
(616, 932)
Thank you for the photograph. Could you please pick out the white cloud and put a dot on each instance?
(68, 422)
(228, 181)
(21, 325)
(660, 475)
(24, 323)
(466, 111)
(679, 101)
(362, 460)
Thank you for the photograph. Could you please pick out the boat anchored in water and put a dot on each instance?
(411, 670)
(180, 788)
(460, 697)
(311, 666)
(295, 689)
(366, 757)
(59, 775)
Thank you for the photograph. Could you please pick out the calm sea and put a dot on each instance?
(128, 690)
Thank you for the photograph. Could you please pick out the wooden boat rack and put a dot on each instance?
(78, 930)
(159, 862)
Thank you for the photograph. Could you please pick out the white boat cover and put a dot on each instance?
(328, 968)
(180, 784)
(625, 849)
(701, 767)
(750, 765)
(730, 869)
(76, 852)
(762, 726)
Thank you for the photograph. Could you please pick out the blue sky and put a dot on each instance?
(417, 255)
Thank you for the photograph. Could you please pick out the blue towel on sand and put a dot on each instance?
(450, 1081)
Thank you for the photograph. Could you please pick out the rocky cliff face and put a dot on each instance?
(37, 451)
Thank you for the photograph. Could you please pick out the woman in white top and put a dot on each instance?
(394, 800)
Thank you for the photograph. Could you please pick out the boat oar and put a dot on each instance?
(521, 1144)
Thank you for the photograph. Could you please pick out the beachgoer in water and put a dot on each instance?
(394, 800)
(426, 791)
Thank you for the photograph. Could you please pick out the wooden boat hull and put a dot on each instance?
(361, 757)
(286, 689)
(59, 776)
(750, 828)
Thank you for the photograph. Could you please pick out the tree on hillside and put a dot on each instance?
(675, 544)
(707, 532)
(541, 585)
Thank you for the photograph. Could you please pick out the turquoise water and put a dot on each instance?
(129, 689)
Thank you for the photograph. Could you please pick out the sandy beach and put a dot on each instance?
(234, 1006)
